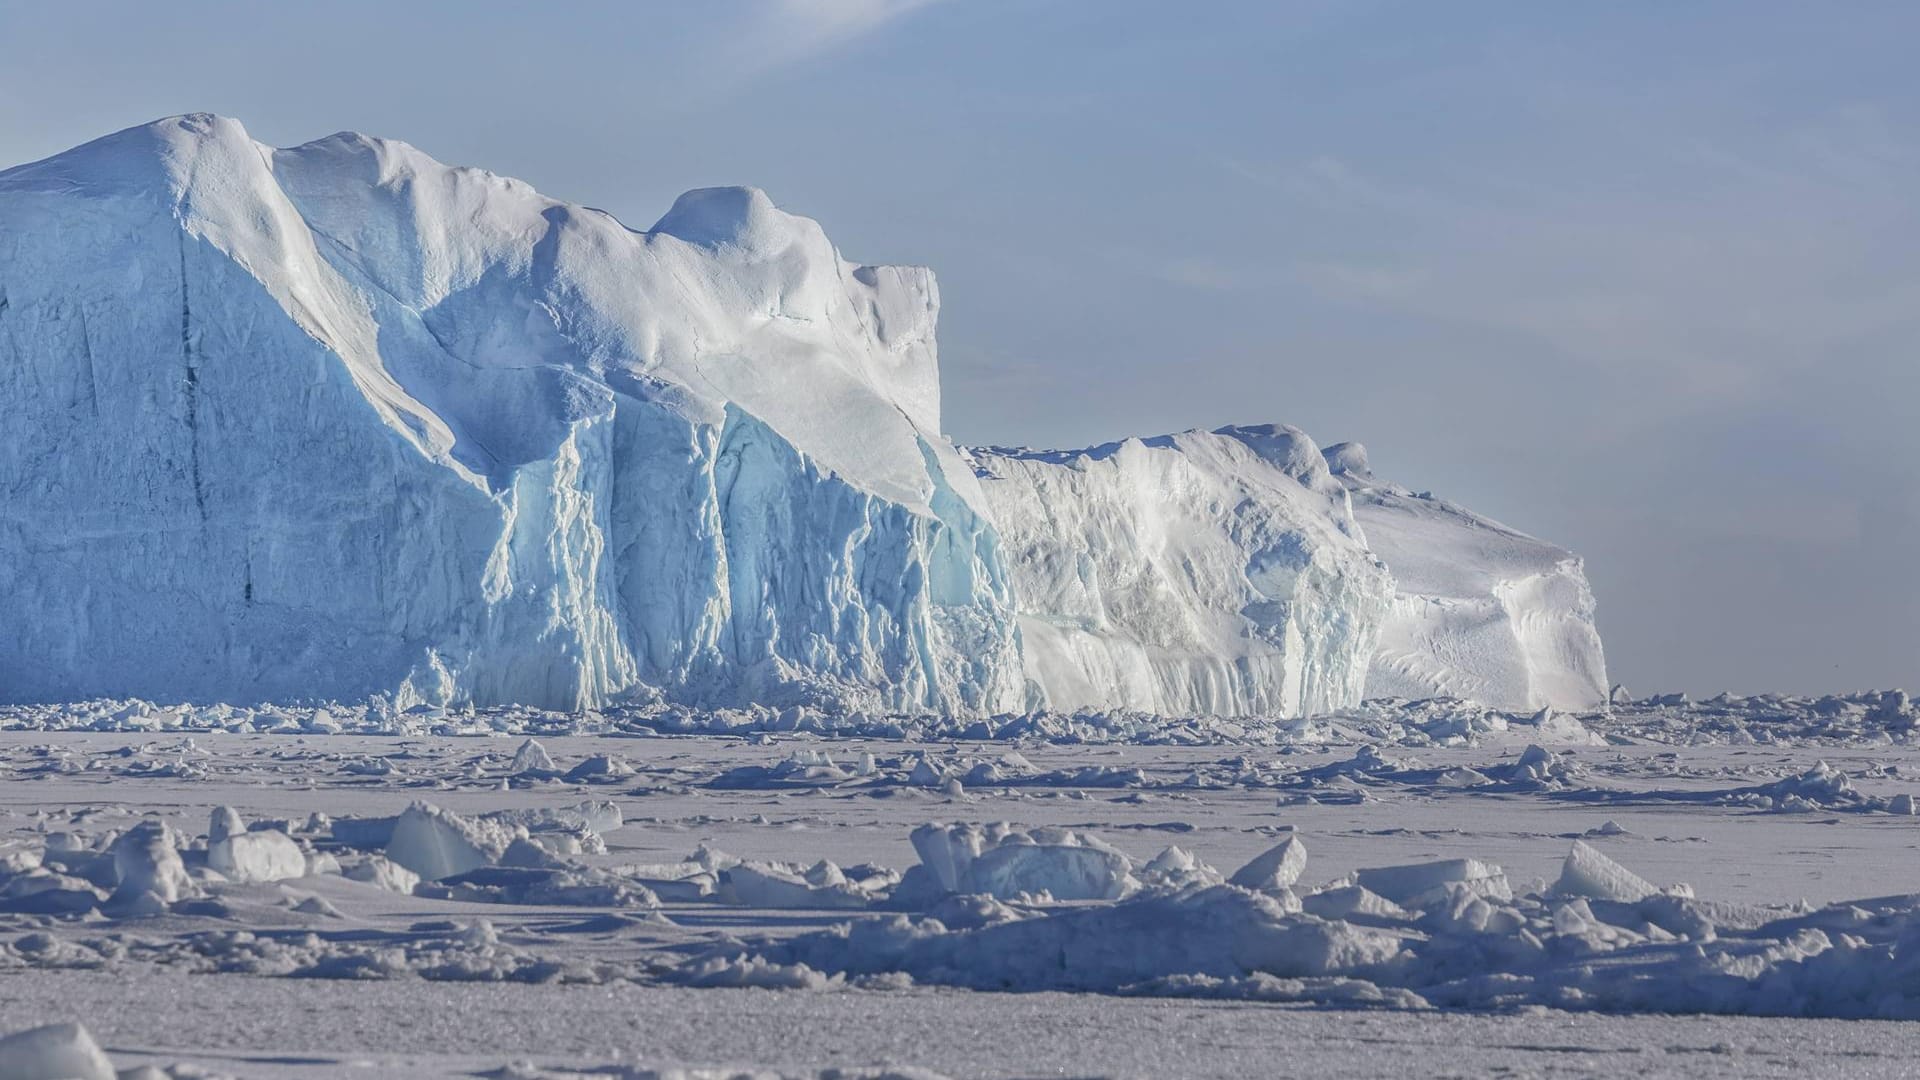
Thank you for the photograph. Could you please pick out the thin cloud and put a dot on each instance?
(783, 33)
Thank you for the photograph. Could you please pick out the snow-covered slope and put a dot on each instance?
(341, 420)
(1481, 611)
(1206, 572)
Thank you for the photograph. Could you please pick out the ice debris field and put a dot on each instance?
(1737, 857)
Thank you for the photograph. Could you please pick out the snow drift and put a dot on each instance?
(340, 421)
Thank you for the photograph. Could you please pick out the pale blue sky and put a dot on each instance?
(1636, 277)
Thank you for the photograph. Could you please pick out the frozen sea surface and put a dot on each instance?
(608, 904)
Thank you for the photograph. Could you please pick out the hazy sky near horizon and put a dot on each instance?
(1640, 278)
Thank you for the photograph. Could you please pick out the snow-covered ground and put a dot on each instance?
(1400, 888)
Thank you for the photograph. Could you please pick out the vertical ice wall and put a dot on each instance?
(1480, 611)
(1206, 572)
(340, 420)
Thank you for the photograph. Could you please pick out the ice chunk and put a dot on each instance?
(764, 885)
(1007, 864)
(600, 768)
(598, 816)
(1346, 901)
(436, 843)
(147, 863)
(54, 1052)
(378, 870)
(1177, 868)
(531, 758)
(1420, 884)
(224, 822)
(1279, 867)
(948, 851)
(20, 861)
(266, 855)
(1588, 873)
(1059, 871)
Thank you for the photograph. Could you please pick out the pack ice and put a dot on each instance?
(339, 421)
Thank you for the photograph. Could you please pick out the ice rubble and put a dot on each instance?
(993, 907)
(1480, 611)
(1012, 864)
(1416, 723)
(386, 428)
(1450, 934)
(435, 844)
(1861, 718)
(251, 856)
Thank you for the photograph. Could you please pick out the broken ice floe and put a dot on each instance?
(985, 906)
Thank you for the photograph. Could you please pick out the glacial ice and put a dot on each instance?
(1205, 572)
(1480, 611)
(382, 426)
(342, 422)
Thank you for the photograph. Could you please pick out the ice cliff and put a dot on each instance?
(1480, 611)
(339, 420)
(1207, 572)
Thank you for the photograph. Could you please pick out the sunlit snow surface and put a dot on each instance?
(1728, 858)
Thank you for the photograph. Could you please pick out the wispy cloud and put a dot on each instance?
(781, 33)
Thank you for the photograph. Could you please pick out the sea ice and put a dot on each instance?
(1279, 867)
(54, 1052)
(436, 843)
(263, 855)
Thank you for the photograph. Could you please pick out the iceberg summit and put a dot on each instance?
(340, 421)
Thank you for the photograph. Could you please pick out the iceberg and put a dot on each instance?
(341, 422)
